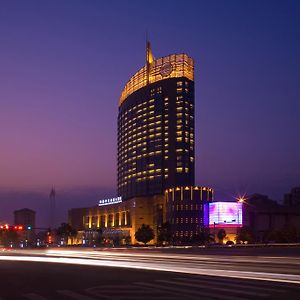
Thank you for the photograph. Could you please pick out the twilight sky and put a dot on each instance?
(63, 65)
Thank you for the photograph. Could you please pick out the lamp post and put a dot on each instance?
(241, 200)
(215, 231)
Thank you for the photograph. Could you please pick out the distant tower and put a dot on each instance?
(52, 208)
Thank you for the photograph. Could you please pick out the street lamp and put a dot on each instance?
(241, 199)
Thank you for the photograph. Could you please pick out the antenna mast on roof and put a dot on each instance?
(149, 57)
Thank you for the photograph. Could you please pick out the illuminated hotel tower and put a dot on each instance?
(156, 127)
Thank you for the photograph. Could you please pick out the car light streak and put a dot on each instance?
(160, 266)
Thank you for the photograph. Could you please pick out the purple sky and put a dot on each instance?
(63, 65)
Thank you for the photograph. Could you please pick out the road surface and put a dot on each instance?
(146, 274)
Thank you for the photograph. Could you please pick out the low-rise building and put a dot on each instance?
(292, 198)
(265, 219)
(181, 207)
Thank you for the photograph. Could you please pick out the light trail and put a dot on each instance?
(151, 255)
(148, 263)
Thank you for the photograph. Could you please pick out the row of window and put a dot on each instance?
(110, 220)
(185, 233)
(187, 207)
(186, 220)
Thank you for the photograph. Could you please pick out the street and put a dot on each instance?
(87, 274)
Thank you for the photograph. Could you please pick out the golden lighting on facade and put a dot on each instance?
(171, 66)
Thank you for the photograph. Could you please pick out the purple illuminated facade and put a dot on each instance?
(224, 214)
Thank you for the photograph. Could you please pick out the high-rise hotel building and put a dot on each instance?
(156, 157)
(156, 127)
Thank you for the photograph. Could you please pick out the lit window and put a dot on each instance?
(179, 170)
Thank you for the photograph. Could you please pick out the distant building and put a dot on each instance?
(292, 198)
(264, 216)
(25, 217)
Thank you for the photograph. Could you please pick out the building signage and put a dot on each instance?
(110, 201)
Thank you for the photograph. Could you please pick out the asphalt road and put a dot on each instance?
(146, 274)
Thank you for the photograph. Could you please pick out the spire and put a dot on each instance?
(149, 57)
(52, 196)
(52, 192)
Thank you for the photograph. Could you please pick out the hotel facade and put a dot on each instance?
(155, 157)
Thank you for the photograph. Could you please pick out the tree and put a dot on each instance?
(8, 237)
(273, 236)
(116, 240)
(99, 237)
(65, 231)
(127, 239)
(221, 235)
(144, 234)
(205, 236)
(289, 233)
(164, 233)
(245, 234)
